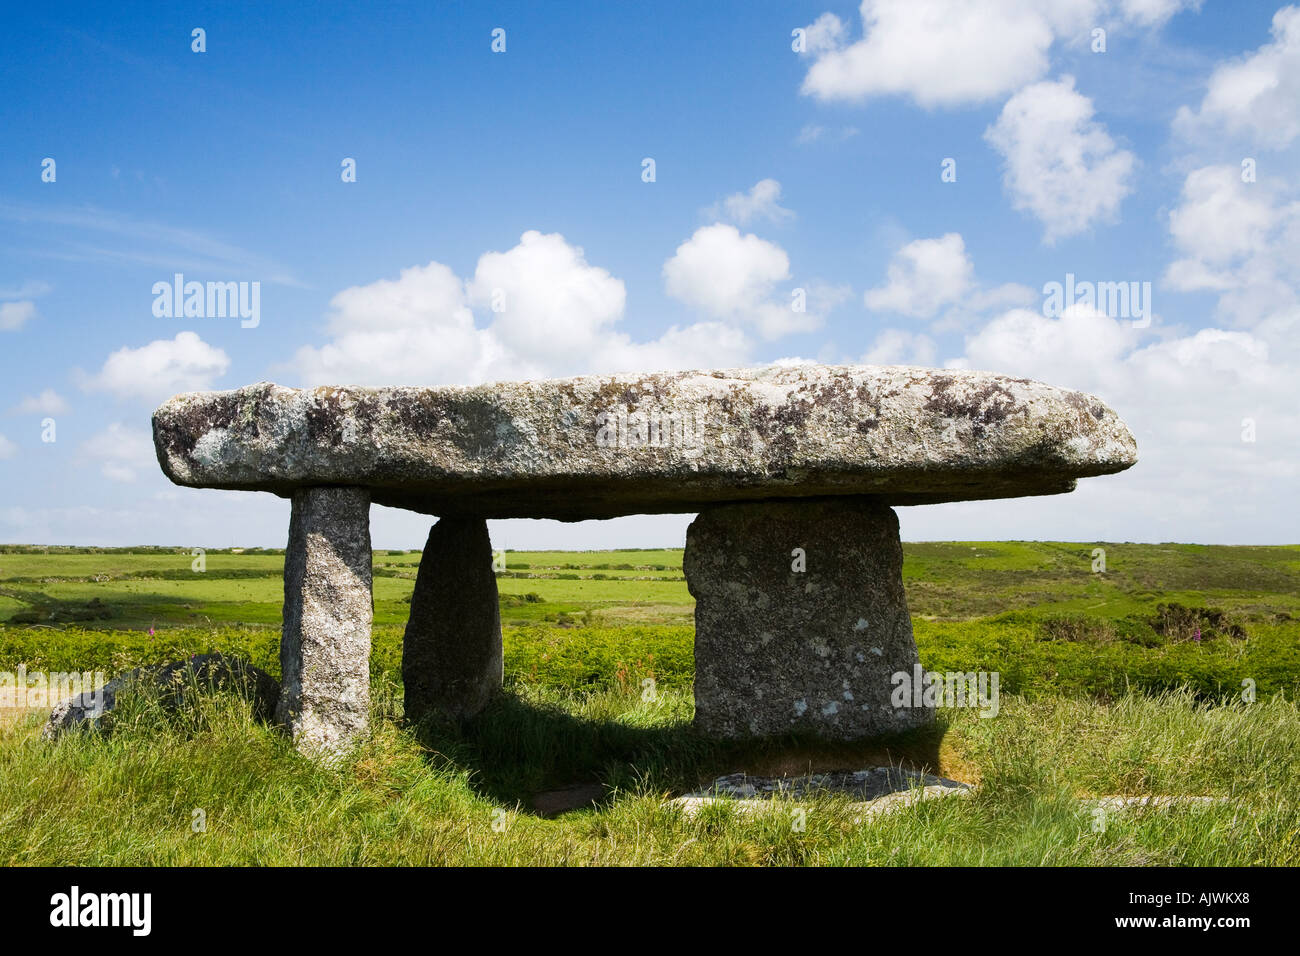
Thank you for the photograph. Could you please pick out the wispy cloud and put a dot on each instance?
(28, 290)
(158, 244)
(48, 402)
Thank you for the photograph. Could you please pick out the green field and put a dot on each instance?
(1125, 681)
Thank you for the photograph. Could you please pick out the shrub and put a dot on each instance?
(1178, 623)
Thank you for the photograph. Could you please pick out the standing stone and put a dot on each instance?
(800, 619)
(451, 656)
(325, 647)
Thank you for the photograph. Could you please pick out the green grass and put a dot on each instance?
(1104, 691)
(458, 798)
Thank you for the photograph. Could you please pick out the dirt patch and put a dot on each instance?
(578, 796)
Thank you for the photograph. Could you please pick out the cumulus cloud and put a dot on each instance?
(700, 345)
(120, 451)
(761, 202)
(1053, 349)
(546, 311)
(415, 329)
(1219, 222)
(940, 53)
(1213, 413)
(1241, 240)
(16, 305)
(928, 275)
(824, 33)
(1061, 164)
(48, 402)
(161, 368)
(900, 347)
(7, 448)
(923, 276)
(14, 315)
(547, 301)
(1255, 96)
(733, 277)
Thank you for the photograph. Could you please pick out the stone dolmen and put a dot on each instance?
(794, 559)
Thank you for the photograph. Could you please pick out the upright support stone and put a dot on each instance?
(800, 619)
(451, 656)
(328, 608)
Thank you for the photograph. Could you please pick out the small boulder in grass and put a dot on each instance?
(172, 682)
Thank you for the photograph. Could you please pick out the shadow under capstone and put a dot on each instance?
(548, 761)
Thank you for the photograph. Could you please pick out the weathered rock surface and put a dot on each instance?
(605, 445)
(451, 655)
(874, 791)
(325, 643)
(172, 682)
(869, 784)
(1118, 803)
(800, 619)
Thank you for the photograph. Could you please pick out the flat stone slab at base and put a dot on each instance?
(880, 790)
(600, 446)
(874, 791)
(801, 621)
(1118, 803)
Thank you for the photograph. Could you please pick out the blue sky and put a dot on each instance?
(522, 171)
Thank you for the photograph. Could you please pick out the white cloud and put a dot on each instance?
(761, 202)
(899, 347)
(162, 368)
(1219, 222)
(1254, 97)
(48, 402)
(1061, 164)
(927, 276)
(923, 276)
(946, 53)
(553, 305)
(825, 297)
(1154, 12)
(558, 316)
(792, 361)
(1082, 342)
(941, 53)
(7, 448)
(1187, 400)
(415, 329)
(1239, 239)
(120, 451)
(14, 315)
(732, 277)
(824, 33)
(699, 346)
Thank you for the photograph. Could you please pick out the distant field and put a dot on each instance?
(1035, 611)
(944, 581)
